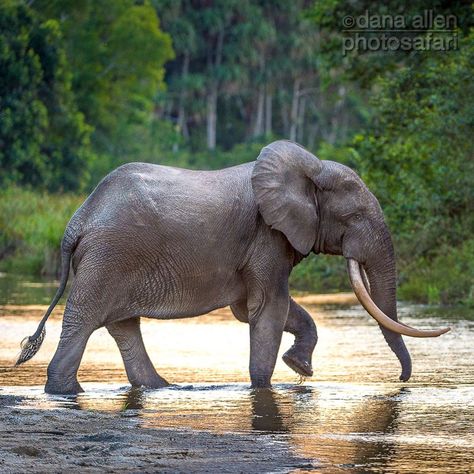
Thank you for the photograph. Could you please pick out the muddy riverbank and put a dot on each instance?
(62, 440)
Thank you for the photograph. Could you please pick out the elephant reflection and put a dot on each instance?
(266, 414)
(347, 436)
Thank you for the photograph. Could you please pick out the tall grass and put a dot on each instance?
(31, 228)
(446, 279)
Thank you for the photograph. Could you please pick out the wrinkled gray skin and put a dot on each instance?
(160, 242)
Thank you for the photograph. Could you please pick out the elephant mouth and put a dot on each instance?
(360, 285)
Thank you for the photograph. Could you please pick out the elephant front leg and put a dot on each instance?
(301, 325)
(267, 321)
(139, 368)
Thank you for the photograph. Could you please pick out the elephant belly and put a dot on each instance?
(175, 298)
(170, 309)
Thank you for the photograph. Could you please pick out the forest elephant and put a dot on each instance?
(162, 242)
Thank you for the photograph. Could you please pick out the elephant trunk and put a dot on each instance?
(381, 275)
(375, 287)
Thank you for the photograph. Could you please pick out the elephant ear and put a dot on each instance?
(283, 184)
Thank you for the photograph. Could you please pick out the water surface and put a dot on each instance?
(352, 416)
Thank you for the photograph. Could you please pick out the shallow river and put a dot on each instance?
(352, 416)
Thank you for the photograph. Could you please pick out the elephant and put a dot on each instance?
(164, 242)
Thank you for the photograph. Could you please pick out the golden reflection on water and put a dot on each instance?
(353, 415)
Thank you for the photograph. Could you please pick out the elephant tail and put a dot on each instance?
(30, 345)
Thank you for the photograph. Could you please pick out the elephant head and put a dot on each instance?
(323, 206)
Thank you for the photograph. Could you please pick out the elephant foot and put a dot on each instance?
(298, 363)
(155, 382)
(55, 388)
(260, 381)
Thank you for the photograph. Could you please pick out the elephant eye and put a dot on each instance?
(357, 217)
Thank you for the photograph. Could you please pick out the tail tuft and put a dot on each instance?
(29, 347)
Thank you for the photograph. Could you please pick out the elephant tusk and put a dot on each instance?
(365, 279)
(357, 282)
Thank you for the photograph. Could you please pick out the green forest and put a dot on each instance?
(86, 86)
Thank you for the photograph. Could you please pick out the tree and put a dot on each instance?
(117, 51)
(414, 152)
(44, 141)
(247, 70)
(213, 43)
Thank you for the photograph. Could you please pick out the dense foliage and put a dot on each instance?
(419, 157)
(87, 85)
(416, 152)
(32, 225)
(77, 88)
(43, 135)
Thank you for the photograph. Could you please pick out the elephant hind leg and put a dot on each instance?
(301, 325)
(139, 368)
(62, 370)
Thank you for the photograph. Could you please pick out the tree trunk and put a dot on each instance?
(294, 109)
(211, 116)
(258, 125)
(212, 92)
(301, 112)
(335, 120)
(268, 112)
(182, 121)
(284, 118)
(333, 130)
